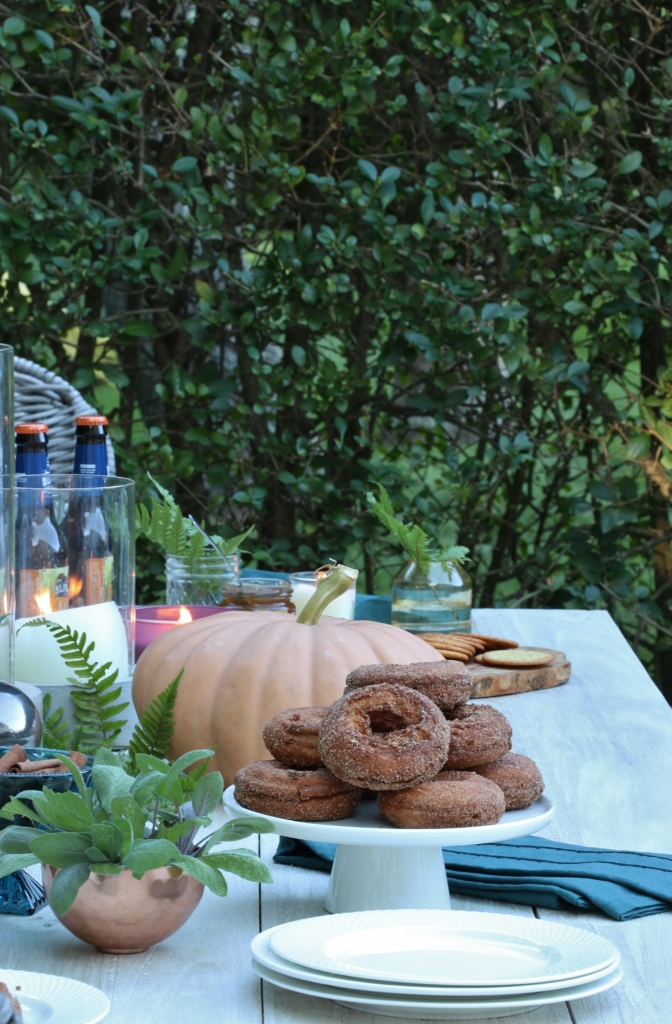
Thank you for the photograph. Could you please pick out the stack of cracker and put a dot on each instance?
(463, 646)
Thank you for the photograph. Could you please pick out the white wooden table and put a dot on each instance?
(604, 744)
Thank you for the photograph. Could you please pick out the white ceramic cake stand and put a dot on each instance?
(381, 867)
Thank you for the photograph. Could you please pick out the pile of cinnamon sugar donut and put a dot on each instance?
(404, 734)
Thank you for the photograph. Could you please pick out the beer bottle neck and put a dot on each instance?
(91, 452)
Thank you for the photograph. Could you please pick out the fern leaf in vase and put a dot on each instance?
(153, 734)
(96, 701)
(417, 544)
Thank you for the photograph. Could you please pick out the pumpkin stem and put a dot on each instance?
(337, 580)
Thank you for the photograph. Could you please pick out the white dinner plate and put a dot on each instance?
(367, 826)
(263, 953)
(443, 947)
(48, 998)
(438, 1009)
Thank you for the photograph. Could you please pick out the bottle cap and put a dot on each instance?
(31, 428)
(91, 421)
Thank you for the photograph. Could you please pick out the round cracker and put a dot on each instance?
(448, 638)
(495, 643)
(469, 652)
(454, 656)
(520, 657)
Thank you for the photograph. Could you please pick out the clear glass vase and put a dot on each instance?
(199, 580)
(436, 602)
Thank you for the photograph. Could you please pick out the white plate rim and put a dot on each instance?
(263, 953)
(529, 1001)
(300, 941)
(52, 987)
(513, 825)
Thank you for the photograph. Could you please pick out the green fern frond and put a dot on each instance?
(230, 546)
(189, 779)
(96, 703)
(166, 526)
(55, 733)
(153, 734)
(413, 539)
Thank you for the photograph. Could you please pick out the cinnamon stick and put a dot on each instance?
(13, 757)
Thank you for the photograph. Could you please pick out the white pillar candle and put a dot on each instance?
(37, 656)
(342, 607)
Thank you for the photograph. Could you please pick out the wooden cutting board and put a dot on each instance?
(496, 682)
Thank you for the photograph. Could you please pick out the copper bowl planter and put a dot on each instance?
(123, 914)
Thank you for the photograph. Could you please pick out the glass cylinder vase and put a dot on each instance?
(199, 580)
(6, 513)
(438, 601)
(88, 524)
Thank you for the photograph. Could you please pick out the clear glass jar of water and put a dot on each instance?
(199, 580)
(436, 602)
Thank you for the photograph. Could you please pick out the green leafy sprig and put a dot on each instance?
(417, 544)
(153, 734)
(127, 822)
(166, 526)
(94, 695)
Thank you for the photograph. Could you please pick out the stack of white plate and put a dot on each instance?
(436, 964)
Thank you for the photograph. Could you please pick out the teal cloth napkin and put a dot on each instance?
(367, 606)
(538, 872)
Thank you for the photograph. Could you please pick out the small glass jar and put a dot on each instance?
(304, 585)
(199, 580)
(258, 594)
(436, 602)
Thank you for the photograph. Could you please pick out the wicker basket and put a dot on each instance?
(40, 396)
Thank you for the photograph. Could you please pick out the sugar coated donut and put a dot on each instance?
(447, 684)
(449, 800)
(384, 737)
(517, 776)
(313, 795)
(291, 736)
(478, 735)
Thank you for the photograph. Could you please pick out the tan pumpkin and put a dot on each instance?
(240, 668)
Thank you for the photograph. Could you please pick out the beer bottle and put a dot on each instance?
(88, 532)
(42, 584)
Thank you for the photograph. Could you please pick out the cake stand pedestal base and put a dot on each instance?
(387, 878)
(380, 867)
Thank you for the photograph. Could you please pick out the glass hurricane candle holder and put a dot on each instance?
(199, 580)
(6, 513)
(304, 585)
(86, 524)
(436, 602)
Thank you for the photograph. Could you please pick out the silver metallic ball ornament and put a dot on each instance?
(19, 718)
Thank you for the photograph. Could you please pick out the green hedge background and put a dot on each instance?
(295, 248)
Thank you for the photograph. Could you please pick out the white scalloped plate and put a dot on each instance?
(481, 1008)
(443, 947)
(48, 999)
(263, 954)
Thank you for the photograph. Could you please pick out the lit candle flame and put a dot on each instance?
(43, 602)
(185, 615)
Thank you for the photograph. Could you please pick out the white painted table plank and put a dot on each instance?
(603, 742)
(604, 745)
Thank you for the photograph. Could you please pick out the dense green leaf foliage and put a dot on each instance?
(299, 248)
